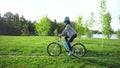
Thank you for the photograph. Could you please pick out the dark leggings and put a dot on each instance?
(70, 40)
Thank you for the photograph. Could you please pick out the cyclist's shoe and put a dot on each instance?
(70, 53)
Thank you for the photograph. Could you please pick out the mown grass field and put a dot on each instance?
(30, 52)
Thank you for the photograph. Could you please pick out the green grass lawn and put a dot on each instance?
(30, 52)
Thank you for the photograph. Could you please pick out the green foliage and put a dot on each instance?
(61, 27)
(107, 30)
(79, 26)
(89, 24)
(105, 19)
(24, 30)
(87, 32)
(55, 32)
(54, 28)
(91, 20)
(12, 24)
(118, 31)
(31, 28)
(43, 26)
(79, 20)
(9, 24)
(118, 34)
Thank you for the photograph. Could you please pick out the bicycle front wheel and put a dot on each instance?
(54, 49)
(79, 50)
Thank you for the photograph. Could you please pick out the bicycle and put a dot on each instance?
(55, 49)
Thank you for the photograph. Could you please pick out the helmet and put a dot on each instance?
(66, 20)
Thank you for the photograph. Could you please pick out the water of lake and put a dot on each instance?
(114, 36)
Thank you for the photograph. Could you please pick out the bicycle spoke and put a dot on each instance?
(79, 50)
(54, 49)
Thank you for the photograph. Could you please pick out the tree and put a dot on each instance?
(89, 24)
(119, 18)
(24, 30)
(12, 24)
(118, 31)
(17, 24)
(31, 28)
(54, 28)
(118, 34)
(107, 30)
(87, 31)
(55, 32)
(43, 26)
(91, 20)
(105, 19)
(24, 26)
(79, 26)
(61, 27)
(0, 24)
(9, 24)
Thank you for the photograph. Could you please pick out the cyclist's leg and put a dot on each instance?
(66, 38)
(70, 48)
(70, 40)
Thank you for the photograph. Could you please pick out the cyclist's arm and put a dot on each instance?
(65, 30)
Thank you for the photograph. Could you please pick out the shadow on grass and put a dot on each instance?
(91, 53)
(102, 62)
(100, 59)
(102, 53)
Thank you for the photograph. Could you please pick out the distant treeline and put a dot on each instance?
(13, 24)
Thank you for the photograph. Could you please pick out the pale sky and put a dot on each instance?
(58, 9)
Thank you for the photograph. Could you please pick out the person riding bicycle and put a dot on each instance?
(68, 32)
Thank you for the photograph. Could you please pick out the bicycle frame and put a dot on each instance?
(63, 42)
(60, 40)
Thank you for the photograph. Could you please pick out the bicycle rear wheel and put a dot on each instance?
(54, 49)
(79, 50)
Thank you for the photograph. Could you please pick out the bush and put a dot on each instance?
(88, 32)
(118, 34)
(55, 32)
